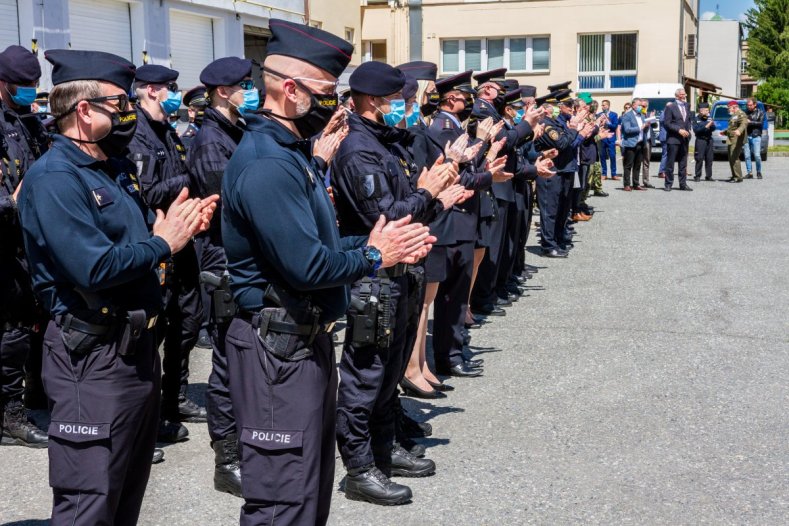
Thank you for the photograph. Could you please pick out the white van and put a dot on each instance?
(658, 94)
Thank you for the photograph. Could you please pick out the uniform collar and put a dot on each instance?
(212, 116)
(383, 133)
(72, 152)
(153, 123)
(452, 117)
(260, 123)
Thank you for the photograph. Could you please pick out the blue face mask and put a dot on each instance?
(43, 109)
(251, 101)
(518, 116)
(24, 96)
(413, 119)
(172, 102)
(396, 112)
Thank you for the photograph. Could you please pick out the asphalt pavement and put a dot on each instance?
(644, 380)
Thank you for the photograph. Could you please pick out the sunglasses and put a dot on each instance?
(122, 101)
(247, 84)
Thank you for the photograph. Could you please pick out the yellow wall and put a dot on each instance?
(335, 16)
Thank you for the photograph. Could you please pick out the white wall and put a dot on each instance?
(719, 54)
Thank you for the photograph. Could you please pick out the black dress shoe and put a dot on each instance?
(409, 389)
(158, 456)
(568, 246)
(601, 194)
(172, 432)
(488, 310)
(475, 325)
(667, 188)
(373, 486)
(460, 370)
(686, 188)
(415, 448)
(502, 302)
(441, 386)
(188, 411)
(401, 463)
(554, 253)
(410, 428)
(647, 185)
(472, 363)
(697, 179)
(204, 341)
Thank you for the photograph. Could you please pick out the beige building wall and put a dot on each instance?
(337, 17)
(662, 35)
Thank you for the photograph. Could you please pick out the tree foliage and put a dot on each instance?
(768, 50)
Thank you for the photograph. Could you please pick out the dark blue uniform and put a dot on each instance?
(207, 159)
(189, 135)
(553, 193)
(703, 153)
(161, 164)
(588, 154)
(457, 233)
(279, 226)
(104, 268)
(22, 140)
(371, 176)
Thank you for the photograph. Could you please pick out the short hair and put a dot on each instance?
(606, 101)
(65, 96)
(635, 99)
(752, 99)
(678, 90)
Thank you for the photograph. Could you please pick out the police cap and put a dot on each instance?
(42, 96)
(377, 79)
(226, 71)
(410, 87)
(528, 91)
(196, 97)
(494, 75)
(459, 82)
(420, 70)
(558, 87)
(509, 84)
(155, 74)
(703, 105)
(310, 44)
(513, 96)
(19, 66)
(69, 65)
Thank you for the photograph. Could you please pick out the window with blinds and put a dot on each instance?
(607, 61)
(517, 54)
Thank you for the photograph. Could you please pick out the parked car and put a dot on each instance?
(720, 114)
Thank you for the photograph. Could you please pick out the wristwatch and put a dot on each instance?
(373, 255)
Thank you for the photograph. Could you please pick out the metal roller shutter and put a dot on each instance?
(191, 46)
(101, 25)
(9, 23)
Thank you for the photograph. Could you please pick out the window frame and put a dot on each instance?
(606, 72)
(506, 57)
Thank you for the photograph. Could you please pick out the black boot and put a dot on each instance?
(171, 432)
(415, 448)
(408, 427)
(18, 430)
(158, 456)
(399, 462)
(368, 484)
(189, 411)
(227, 465)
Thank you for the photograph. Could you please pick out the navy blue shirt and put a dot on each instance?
(86, 232)
(279, 226)
(559, 135)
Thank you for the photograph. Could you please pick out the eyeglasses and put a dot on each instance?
(122, 101)
(247, 84)
(333, 83)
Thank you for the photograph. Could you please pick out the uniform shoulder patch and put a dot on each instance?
(553, 134)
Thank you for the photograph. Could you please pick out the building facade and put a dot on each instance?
(720, 53)
(748, 84)
(605, 48)
(184, 35)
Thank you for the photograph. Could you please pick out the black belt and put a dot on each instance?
(298, 329)
(396, 271)
(69, 321)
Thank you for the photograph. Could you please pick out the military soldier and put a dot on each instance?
(290, 272)
(231, 94)
(161, 164)
(99, 286)
(703, 127)
(735, 137)
(195, 102)
(371, 176)
(23, 140)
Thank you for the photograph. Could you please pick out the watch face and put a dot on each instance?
(373, 254)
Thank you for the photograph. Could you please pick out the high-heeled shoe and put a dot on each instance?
(440, 386)
(409, 389)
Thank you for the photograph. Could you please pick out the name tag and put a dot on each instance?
(79, 431)
(272, 438)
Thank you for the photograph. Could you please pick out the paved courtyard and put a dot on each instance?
(645, 380)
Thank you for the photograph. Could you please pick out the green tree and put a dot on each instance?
(768, 50)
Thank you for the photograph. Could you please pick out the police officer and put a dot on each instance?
(565, 135)
(232, 94)
(703, 155)
(290, 272)
(735, 138)
(371, 176)
(23, 141)
(100, 287)
(161, 164)
(195, 102)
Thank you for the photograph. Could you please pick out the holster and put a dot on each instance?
(132, 329)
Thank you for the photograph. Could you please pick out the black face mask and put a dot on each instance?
(465, 113)
(430, 107)
(498, 102)
(322, 107)
(122, 127)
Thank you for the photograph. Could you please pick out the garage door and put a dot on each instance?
(101, 25)
(191, 46)
(9, 24)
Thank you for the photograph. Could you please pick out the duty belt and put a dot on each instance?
(396, 271)
(298, 329)
(69, 321)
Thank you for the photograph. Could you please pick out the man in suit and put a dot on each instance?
(676, 119)
(633, 132)
(608, 146)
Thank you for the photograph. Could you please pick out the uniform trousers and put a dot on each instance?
(285, 413)
(677, 153)
(494, 230)
(105, 411)
(512, 235)
(449, 309)
(703, 156)
(735, 149)
(14, 349)
(608, 147)
(553, 195)
(369, 375)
